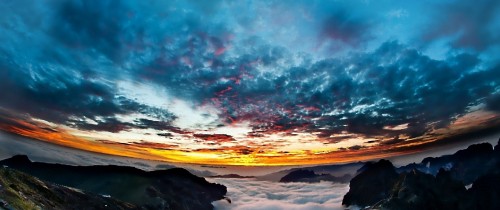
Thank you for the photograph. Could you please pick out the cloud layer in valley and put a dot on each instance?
(247, 194)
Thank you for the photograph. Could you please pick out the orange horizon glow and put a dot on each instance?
(232, 155)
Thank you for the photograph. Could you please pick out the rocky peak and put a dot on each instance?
(372, 184)
(474, 150)
(418, 190)
(413, 189)
(17, 159)
(298, 174)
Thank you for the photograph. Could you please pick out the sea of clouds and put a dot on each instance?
(252, 194)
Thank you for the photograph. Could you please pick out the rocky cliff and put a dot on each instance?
(379, 186)
(166, 189)
(372, 184)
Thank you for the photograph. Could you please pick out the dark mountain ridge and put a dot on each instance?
(417, 186)
(465, 165)
(303, 175)
(231, 176)
(173, 188)
(22, 191)
(339, 171)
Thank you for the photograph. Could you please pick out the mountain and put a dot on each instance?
(22, 191)
(466, 165)
(302, 175)
(341, 170)
(231, 176)
(372, 184)
(418, 190)
(380, 186)
(164, 189)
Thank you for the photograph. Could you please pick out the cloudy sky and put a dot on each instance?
(250, 82)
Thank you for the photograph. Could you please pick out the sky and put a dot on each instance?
(255, 83)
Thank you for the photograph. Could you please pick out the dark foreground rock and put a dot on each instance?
(417, 190)
(378, 186)
(166, 189)
(484, 193)
(372, 184)
(22, 191)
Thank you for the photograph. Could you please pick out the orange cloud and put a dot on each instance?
(248, 154)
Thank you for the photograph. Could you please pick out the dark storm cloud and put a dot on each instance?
(109, 124)
(493, 103)
(344, 27)
(53, 67)
(395, 140)
(93, 25)
(63, 96)
(167, 135)
(465, 24)
(157, 125)
(408, 87)
(390, 86)
(55, 94)
(356, 147)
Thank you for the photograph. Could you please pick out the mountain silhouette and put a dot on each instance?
(418, 186)
(173, 188)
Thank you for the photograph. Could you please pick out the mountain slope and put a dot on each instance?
(302, 175)
(466, 165)
(416, 187)
(335, 170)
(166, 189)
(22, 191)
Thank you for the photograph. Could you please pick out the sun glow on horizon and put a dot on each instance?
(293, 150)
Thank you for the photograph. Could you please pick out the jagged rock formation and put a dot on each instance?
(466, 165)
(484, 193)
(372, 184)
(417, 189)
(309, 176)
(165, 189)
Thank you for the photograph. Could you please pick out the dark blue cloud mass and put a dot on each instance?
(465, 24)
(310, 66)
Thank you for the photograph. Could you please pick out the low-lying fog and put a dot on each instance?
(252, 194)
